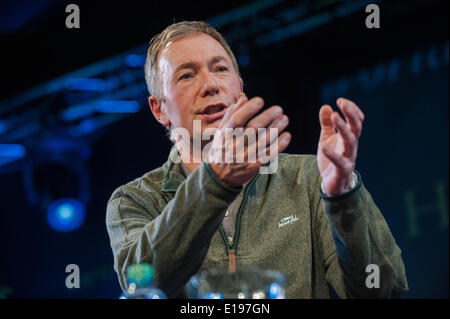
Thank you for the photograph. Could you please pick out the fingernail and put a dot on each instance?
(278, 110)
(283, 120)
(259, 101)
(239, 98)
(287, 138)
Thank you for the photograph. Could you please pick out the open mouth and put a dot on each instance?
(211, 109)
(213, 112)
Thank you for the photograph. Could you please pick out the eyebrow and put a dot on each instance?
(193, 65)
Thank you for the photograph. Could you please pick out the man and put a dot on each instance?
(311, 219)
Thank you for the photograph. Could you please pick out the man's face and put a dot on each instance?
(198, 81)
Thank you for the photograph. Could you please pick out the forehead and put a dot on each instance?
(198, 48)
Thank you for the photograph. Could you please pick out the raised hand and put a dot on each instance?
(338, 145)
(244, 115)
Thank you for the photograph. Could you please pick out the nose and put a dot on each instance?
(209, 84)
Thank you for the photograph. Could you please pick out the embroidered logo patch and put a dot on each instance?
(287, 220)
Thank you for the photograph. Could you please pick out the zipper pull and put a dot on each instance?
(231, 261)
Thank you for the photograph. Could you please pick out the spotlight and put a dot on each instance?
(56, 179)
(65, 215)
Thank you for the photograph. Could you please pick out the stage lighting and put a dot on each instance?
(135, 60)
(11, 152)
(65, 215)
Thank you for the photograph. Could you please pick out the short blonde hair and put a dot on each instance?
(172, 32)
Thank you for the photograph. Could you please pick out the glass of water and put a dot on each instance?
(247, 282)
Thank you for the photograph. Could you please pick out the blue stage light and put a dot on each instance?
(65, 215)
(135, 60)
(11, 152)
(91, 84)
(118, 106)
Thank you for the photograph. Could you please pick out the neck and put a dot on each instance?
(187, 157)
(191, 166)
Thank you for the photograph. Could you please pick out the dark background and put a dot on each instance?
(397, 74)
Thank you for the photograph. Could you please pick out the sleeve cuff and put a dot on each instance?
(356, 184)
(216, 180)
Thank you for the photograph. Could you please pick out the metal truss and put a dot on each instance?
(74, 109)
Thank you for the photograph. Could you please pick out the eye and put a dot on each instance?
(222, 69)
(185, 76)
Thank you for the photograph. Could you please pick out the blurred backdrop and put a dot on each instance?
(75, 123)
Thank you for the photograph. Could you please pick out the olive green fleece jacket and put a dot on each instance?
(174, 223)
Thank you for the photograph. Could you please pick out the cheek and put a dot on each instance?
(180, 110)
(183, 101)
(235, 86)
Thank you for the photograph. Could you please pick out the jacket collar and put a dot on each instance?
(173, 176)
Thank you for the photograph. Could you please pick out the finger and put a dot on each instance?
(265, 118)
(277, 126)
(236, 100)
(263, 136)
(233, 108)
(326, 124)
(283, 141)
(271, 151)
(343, 165)
(245, 112)
(353, 105)
(353, 115)
(347, 135)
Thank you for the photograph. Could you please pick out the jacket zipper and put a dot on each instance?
(232, 244)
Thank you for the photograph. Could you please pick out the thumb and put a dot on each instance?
(326, 124)
(240, 99)
(237, 103)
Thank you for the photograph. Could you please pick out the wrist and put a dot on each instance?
(350, 182)
(222, 174)
(347, 185)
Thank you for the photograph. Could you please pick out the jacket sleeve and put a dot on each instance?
(353, 235)
(174, 240)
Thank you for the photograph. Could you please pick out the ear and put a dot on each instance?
(156, 108)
